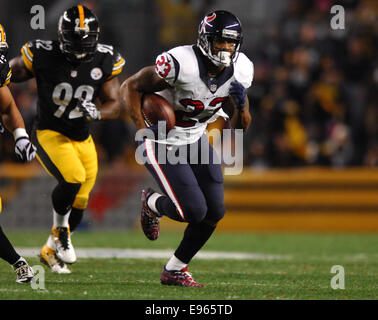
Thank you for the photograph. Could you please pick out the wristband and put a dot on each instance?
(20, 133)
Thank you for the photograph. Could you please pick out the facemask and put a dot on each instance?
(224, 58)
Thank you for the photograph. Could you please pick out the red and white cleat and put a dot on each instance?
(180, 278)
(148, 218)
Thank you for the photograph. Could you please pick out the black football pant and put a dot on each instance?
(7, 251)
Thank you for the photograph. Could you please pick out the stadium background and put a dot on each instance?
(311, 154)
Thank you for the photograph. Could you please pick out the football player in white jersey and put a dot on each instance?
(200, 81)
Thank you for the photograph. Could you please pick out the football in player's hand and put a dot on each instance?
(155, 108)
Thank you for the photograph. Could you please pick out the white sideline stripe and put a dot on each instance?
(155, 254)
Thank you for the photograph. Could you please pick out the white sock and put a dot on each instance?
(21, 259)
(60, 220)
(175, 264)
(151, 202)
(50, 242)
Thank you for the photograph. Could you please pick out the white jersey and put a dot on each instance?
(195, 97)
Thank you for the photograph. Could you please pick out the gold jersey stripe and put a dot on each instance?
(28, 62)
(6, 83)
(114, 73)
(119, 62)
(29, 52)
(2, 34)
(7, 80)
(9, 74)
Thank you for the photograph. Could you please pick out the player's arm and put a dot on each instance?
(241, 118)
(20, 72)
(132, 89)
(11, 116)
(13, 121)
(109, 97)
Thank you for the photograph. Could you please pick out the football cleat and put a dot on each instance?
(148, 218)
(180, 278)
(49, 258)
(24, 271)
(64, 249)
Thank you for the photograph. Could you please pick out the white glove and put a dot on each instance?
(90, 110)
(24, 149)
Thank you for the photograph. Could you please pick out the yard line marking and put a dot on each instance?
(156, 254)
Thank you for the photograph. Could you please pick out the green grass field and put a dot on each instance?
(304, 271)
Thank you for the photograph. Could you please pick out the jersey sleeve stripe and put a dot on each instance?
(6, 83)
(2, 33)
(9, 75)
(114, 73)
(119, 64)
(28, 53)
(117, 68)
(26, 46)
(28, 60)
(7, 80)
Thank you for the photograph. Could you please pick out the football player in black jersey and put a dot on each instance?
(25, 151)
(71, 74)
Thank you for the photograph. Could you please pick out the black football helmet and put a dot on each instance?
(222, 25)
(3, 41)
(78, 33)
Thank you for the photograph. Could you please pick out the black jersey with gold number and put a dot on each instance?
(61, 84)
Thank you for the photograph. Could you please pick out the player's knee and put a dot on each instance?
(82, 198)
(64, 195)
(195, 212)
(217, 212)
(81, 202)
(77, 175)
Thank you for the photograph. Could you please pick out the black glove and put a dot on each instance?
(238, 94)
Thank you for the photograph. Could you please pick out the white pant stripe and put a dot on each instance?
(152, 158)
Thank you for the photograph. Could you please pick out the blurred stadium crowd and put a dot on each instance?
(314, 94)
(315, 88)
